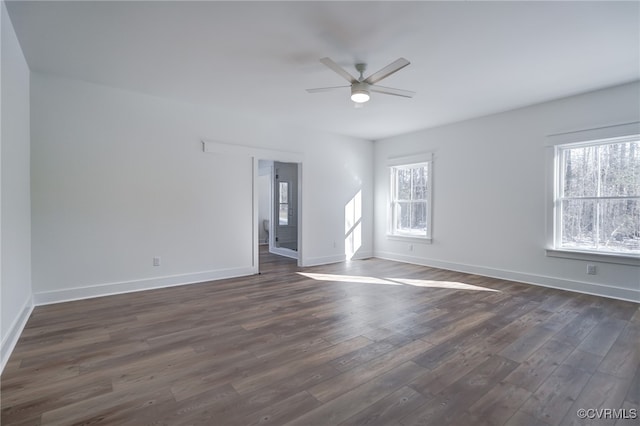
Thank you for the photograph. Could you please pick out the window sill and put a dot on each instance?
(408, 238)
(620, 259)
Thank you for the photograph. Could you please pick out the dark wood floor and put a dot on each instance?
(360, 343)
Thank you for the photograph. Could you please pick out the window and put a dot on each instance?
(410, 199)
(283, 202)
(597, 196)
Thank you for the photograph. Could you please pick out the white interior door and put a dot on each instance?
(285, 206)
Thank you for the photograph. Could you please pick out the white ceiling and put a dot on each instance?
(468, 59)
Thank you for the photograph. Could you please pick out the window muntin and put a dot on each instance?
(598, 196)
(410, 200)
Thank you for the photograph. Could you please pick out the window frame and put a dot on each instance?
(408, 162)
(559, 143)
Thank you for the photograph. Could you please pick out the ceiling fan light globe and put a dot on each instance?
(360, 96)
(360, 92)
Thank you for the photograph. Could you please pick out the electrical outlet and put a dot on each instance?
(591, 269)
(156, 261)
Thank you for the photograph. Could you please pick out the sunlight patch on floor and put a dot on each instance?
(347, 278)
(360, 279)
(454, 285)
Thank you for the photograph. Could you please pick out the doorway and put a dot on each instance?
(279, 188)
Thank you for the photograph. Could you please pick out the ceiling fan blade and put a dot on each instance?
(385, 72)
(326, 89)
(392, 91)
(339, 70)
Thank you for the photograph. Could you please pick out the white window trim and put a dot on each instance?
(581, 137)
(409, 161)
(590, 256)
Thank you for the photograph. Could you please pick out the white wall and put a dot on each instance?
(15, 216)
(490, 193)
(120, 177)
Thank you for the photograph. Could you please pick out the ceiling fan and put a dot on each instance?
(361, 87)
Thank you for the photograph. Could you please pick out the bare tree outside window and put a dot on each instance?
(599, 196)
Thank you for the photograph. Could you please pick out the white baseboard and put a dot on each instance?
(540, 280)
(108, 289)
(15, 330)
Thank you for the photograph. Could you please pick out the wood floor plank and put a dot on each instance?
(361, 356)
(262, 398)
(445, 407)
(443, 334)
(348, 380)
(534, 370)
(585, 361)
(624, 355)
(34, 408)
(188, 385)
(283, 411)
(522, 418)
(602, 337)
(113, 407)
(575, 332)
(552, 400)
(264, 377)
(455, 367)
(633, 396)
(601, 391)
(458, 343)
(388, 409)
(282, 347)
(340, 409)
(635, 318)
(498, 405)
(199, 409)
(527, 343)
(15, 395)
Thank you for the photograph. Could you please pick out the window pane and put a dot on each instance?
(283, 192)
(283, 214)
(619, 226)
(419, 183)
(580, 171)
(403, 216)
(620, 169)
(579, 224)
(411, 218)
(419, 217)
(403, 182)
